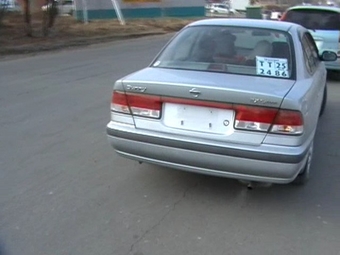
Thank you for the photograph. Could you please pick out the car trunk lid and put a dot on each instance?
(205, 104)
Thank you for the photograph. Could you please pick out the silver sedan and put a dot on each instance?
(235, 98)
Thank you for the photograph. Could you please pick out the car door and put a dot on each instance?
(317, 72)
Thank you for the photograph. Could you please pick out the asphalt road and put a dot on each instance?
(63, 191)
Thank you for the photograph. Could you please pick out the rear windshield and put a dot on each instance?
(314, 19)
(236, 50)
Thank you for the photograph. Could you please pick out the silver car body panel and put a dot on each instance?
(224, 165)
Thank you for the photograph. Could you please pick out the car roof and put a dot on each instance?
(252, 23)
(315, 7)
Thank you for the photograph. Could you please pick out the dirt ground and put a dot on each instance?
(68, 32)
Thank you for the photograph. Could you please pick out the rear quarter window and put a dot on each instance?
(314, 19)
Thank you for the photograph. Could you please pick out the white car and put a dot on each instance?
(65, 7)
(222, 9)
(275, 15)
(323, 22)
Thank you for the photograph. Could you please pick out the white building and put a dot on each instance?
(103, 9)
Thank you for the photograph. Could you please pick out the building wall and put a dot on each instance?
(103, 9)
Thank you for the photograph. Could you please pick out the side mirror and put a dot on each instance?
(328, 56)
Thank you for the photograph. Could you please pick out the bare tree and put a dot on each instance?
(50, 11)
(3, 10)
(27, 17)
(49, 16)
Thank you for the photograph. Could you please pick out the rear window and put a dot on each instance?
(314, 19)
(236, 50)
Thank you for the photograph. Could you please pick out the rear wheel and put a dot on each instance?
(303, 176)
(324, 101)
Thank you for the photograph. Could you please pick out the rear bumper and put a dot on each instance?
(264, 163)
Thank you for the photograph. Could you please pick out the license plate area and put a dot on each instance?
(198, 118)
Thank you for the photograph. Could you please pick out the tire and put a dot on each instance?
(336, 75)
(333, 75)
(303, 176)
(324, 102)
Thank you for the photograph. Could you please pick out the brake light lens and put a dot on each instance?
(268, 119)
(138, 105)
(145, 106)
(250, 118)
(119, 103)
(254, 118)
(288, 122)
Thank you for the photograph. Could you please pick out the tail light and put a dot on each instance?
(288, 122)
(254, 118)
(250, 118)
(138, 105)
(268, 119)
(119, 103)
